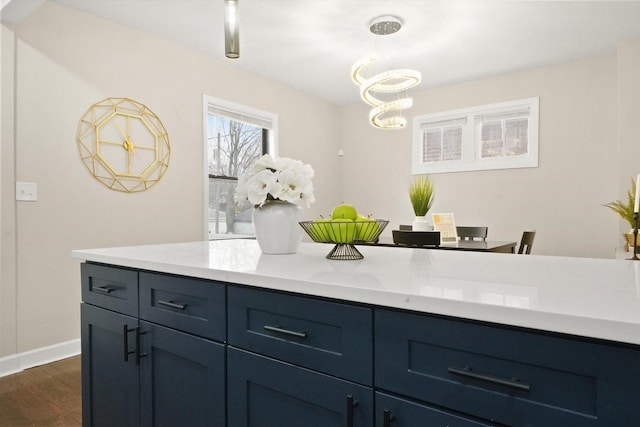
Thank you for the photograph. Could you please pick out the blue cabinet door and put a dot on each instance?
(393, 411)
(182, 379)
(263, 392)
(110, 386)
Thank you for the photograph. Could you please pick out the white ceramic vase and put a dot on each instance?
(420, 223)
(276, 227)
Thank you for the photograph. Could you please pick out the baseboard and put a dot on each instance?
(40, 356)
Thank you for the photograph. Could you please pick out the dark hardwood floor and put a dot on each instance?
(48, 395)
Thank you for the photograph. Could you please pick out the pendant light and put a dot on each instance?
(231, 31)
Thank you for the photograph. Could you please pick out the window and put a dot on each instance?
(496, 136)
(442, 141)
(236, 136)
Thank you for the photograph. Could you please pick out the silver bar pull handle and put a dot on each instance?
(280, 330)
(172, 304)
(470, 373)
(102, 289)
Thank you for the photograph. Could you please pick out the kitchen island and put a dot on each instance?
(402, 337)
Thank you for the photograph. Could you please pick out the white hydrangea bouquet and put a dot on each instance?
(276, 179)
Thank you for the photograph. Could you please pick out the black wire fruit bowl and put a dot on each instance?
(344, 234)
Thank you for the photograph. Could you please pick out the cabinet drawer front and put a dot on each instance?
(514, 377)
(189, 305)
(268, 393)
(110, 287)
(329, 337)
(405, 413)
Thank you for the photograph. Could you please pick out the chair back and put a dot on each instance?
(526, 242)
(416, 238)
(471, 233)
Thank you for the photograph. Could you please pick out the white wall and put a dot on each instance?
(65, 62)
(628, 68)
(7, 205)
(561, 199)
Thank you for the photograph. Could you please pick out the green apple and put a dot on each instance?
(344, 230)
(321, 230)
(344, 211)
(366, 228)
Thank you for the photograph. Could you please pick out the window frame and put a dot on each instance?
(471, 147)
(209, 103)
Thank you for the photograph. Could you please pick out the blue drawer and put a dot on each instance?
(514, 377)
(109, 287)
(328, 337)
(189, 305)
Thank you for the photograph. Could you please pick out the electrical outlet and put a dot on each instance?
(26, 191)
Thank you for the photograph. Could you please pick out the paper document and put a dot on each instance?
(446, 225)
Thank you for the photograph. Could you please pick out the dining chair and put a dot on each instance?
(526, 242)
(416, 238)
(471, 233)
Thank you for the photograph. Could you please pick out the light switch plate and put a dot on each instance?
(27, 191)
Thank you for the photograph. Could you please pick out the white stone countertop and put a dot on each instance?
(598, 298)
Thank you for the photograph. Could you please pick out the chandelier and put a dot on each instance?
(383, 91)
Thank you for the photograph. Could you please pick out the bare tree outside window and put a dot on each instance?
(232, 147)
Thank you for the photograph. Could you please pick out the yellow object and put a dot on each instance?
(123, 144)
(320, 230)
(344, 211)
(366, 228)
(344, 230)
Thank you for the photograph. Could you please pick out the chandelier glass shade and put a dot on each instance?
(383, 91)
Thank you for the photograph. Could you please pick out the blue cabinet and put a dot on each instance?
(197, 307)
(181, 379)
(110, 385)
(140, 373)
(510, 376)
(395, 411)
(167, 350)
(264, 392)
(329, 337)
(298, 361)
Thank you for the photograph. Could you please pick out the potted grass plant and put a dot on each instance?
(625, 210)
(421, 196)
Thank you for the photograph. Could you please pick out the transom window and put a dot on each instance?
(496, 136)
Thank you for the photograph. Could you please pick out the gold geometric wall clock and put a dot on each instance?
(123, 144)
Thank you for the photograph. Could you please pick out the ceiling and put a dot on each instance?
(311, 44)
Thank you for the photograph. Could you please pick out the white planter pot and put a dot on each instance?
(276, 227)
(420, 223)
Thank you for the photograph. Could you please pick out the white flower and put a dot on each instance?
(276, 179)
